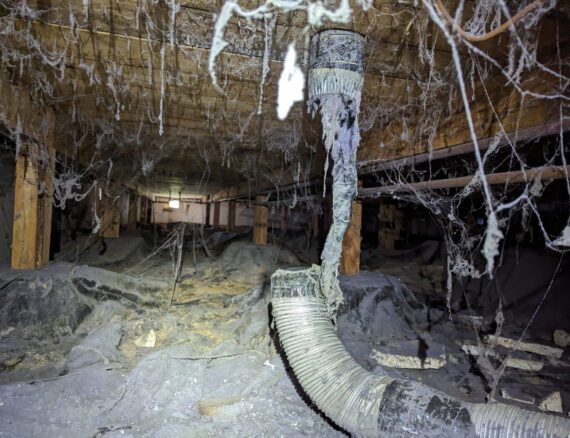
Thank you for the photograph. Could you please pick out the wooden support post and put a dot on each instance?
(260, 220)
(133, 211)
(138, 211)
(110, 214)
(231, 215)
(33, 203)
(316, 223)
(350, 259)
(143, 213)
(389, 225)
(284, 220)
(207, 212)
(216, 221)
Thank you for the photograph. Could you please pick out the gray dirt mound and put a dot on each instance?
(41, 301)
(244, 260)
(113, 254)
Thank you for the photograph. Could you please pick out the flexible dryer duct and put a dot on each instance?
(303, 301)
(370, 405)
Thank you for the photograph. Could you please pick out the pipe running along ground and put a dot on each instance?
(371, 405)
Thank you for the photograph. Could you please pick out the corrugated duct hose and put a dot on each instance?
(363, 403)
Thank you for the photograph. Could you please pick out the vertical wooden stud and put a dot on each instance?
(260, 220)
(110, 214)
(231, 215)
(33, 203)
(350, 259)
(216, 222)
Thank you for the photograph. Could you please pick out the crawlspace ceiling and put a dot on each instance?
(128, 82)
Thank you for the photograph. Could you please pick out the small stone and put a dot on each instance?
(147, 340)
(6, 331)
(561, 338)
(551, 403)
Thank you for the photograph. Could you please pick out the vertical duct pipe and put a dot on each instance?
(304, 301)
(336, 76)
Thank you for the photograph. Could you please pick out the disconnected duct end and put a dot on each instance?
(336, 64)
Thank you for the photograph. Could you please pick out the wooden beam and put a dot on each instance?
(231, 224)
(31, 232)
(527, 134)
(260, 220)
(516, 176)
(19, 112)
(510, 112)
(350, 259)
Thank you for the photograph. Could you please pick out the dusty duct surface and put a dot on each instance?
(369, 404)
(335, 83)
(363, 403)
(340, 387)
(341, 136)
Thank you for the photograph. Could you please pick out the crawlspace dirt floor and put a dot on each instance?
(105, 346)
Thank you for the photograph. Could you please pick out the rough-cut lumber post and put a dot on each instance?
(350, 260)
(33, 201)
(231, 224)
(26, 205)
(207, 212)
(133, 211)
(284, 219)
(316, 223)
(260, 220)
(143, 210)
(389, 225)
(139, 209)
(110, 214)
(216, 221)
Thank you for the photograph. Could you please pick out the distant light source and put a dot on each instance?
(174, 203)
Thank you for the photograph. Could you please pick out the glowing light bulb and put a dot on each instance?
(174, 203)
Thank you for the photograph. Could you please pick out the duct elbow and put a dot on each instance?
(371, 405)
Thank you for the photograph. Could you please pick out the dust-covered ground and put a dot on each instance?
(89, 351)
(105, 344)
